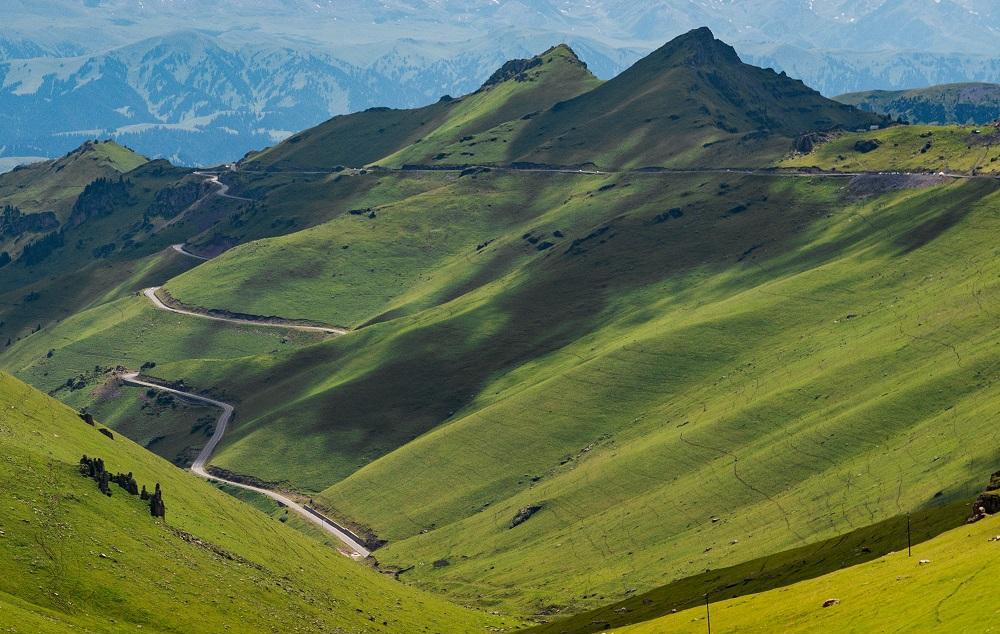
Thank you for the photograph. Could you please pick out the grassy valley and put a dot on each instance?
(569, 384)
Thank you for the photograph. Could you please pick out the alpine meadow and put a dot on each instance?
(688, 347)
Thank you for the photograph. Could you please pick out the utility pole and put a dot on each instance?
(708, 614)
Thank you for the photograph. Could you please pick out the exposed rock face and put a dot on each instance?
(514, 69)
(867, 145)
(524, 515)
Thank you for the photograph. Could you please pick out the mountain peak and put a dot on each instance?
(699, 46)
(517, 69)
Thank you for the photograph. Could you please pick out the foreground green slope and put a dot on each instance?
(954, 591)
(968, 103)
(73, 558)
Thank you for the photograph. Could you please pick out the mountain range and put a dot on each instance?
(260, 70)
(568, 352)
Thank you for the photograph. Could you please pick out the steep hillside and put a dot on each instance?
(945, 586)
(73, 558)
(694, 90)
(394, 137)
(717, 339)
(971, 104)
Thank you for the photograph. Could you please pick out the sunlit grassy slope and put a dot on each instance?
(72, 558)
(771, 571)
(954, 592)
(54, 185)
(797, 368)
(927, 148)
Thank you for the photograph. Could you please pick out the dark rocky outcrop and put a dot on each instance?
(173, 200)
(99, 198)
(867, 145)
(13, 222)
(524, 514)
(156, 505)
(514, 69)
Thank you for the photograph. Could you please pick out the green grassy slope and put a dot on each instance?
(73, 361)
(953, 149)
(54, 185)
(736, 362)
(74, 559)
(954, 592)
(846, 360)
(394, 137)
(482, 124)
(968, 103)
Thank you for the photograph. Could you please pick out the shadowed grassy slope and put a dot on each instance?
(954, 592)
(112, 249)
(953, 149)
(73, 558)
(735, 362)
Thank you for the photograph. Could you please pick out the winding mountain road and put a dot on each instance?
(222, 189)
(150, 294)
(180, 249)
(198, 467)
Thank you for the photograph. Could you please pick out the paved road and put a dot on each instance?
(150, 294)
(222, 188)
(201, 461)
(180, 249)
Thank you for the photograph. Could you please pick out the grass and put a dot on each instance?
(742, 364)
(927, 148)
(777, 570)
(72, 558)
(84, 348)
(54, 185)
(954, 592)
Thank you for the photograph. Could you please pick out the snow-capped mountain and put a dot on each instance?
(204, 82)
